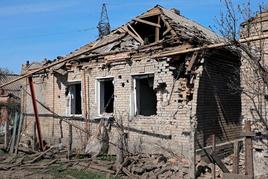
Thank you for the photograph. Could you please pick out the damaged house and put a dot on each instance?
(145, 76)
(9, 106)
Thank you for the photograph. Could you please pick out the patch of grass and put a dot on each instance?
(107, 157)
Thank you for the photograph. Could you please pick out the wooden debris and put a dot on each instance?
(41, 155)
(101, 168)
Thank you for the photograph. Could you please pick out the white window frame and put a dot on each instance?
(134, 102)
(98, 92)
(69, 98)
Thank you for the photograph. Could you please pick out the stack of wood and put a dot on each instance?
(153, 166)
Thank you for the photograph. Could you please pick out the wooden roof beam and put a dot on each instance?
(132, 34)
(157, 30)
(147, 22)
(168, 27)
(135, 32)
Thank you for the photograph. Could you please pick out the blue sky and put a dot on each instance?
(37, 29)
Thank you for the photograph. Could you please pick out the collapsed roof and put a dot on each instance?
(158, 26)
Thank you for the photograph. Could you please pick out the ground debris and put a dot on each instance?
(151, 166)
(134, 166)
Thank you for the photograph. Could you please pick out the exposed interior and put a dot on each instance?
(145, 96)
(106, 96)
(148, 32)
(74, 94)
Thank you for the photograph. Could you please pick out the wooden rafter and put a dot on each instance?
(135, 32)
(132, 34)
(192, 61)
(168, 26)
(157, 30)
(166, 31)
(147, 22)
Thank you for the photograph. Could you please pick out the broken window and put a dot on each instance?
(74, 98)
(144, 95)
(105, 96)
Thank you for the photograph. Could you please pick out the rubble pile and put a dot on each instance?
(134, 166)
(153, 166)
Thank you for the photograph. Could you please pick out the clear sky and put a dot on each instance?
(37, 29)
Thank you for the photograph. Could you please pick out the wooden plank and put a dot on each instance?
(236, 158)
(101, 168)
(135, 32)
(219, 163)
(34, 137)
(248, 151)
(132, 34)
(147, 22)
(70, 141)
(39, 156)
(157, 30)
(19, 132)
(14, 136)
(213, 150)
(177, 51)
(221, 144)
(192, 61)
(167, 31)
(167, 25)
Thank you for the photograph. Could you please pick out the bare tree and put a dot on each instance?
(240, 22)
(3, 73)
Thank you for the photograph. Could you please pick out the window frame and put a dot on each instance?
(134, 110)
(98, 94)
(69, 106)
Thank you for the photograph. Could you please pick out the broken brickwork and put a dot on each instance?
(126, 76)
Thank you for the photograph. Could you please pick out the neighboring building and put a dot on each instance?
(255, 94)
(9, 104)
(13, 88)
(129, 74)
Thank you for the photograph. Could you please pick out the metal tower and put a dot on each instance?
(104, 25)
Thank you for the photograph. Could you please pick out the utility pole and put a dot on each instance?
(104, 25)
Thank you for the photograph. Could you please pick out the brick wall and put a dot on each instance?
(168, 130)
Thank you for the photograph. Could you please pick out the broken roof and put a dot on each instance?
(157, 26)
(127, 37)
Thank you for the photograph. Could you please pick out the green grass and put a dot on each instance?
(107, 157)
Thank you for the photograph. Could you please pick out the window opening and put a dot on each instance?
(106, 96)
(74, 98)
(145, 96)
